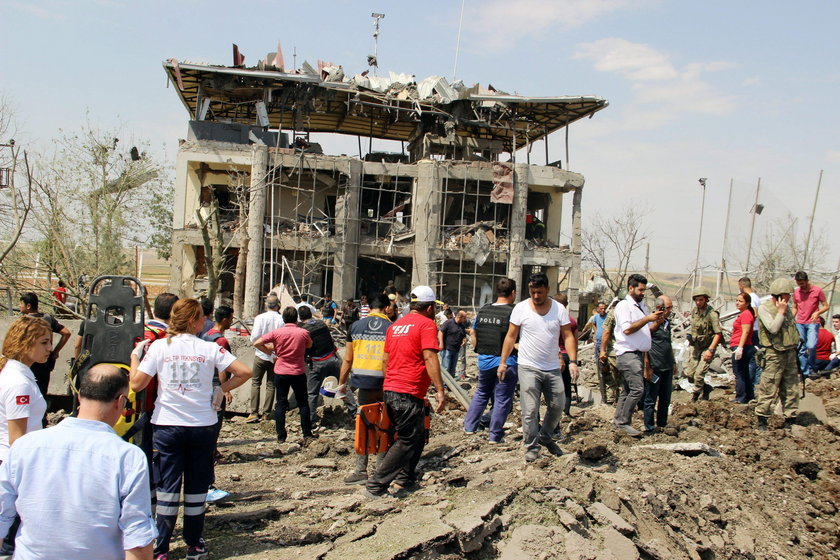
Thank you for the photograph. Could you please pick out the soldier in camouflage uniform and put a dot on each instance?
(704, 338)
(778, 335)
(609, 368)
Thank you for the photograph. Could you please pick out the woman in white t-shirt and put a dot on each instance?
(22, 406)
(183, 419)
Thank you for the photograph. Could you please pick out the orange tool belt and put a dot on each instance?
(375, 432)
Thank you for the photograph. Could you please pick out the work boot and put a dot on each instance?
(355, 478)
(551, 446)
(707, 390)
(531, 455)
(762, 423)
(789, 422)
(695, 396)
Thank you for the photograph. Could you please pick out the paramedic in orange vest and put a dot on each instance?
(362, 365)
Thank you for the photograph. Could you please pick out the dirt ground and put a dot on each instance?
(733, 492)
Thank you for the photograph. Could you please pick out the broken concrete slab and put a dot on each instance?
(578, 548)
(619, 545)
(533, 541)
(418, 529)
(471, 514)
(604, 515)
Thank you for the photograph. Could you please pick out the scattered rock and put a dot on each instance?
(620, 546)
(321, 464)
(604, 515)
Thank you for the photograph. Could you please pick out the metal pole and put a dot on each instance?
(811, 223)
(458, 42)
(752, 226)
(723, 248)
(833, 288)
(700, 234)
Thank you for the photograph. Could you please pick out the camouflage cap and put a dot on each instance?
(700, 291)
(781, 286)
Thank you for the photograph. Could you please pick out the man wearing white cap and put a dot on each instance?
(411, 364)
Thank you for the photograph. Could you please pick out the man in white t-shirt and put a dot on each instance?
(632, 343)
(538, 323)
(264, 323)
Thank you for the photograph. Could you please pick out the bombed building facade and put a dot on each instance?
(452, 209)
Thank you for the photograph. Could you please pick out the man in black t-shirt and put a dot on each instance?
(322, 358)
(29, 306)
(452, 334)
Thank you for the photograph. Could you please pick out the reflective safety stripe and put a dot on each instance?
(194, 498)
(168, 496)
(167, 510)
(193, 510)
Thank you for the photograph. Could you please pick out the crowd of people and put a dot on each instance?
(397, 347)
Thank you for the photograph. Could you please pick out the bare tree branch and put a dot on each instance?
(610, 243)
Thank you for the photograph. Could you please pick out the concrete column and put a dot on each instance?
(256, 231)
(517, 226)
(426, 204)
(182, 269)
(574, 272)
(347, 231)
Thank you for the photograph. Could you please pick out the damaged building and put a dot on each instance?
(451, 207)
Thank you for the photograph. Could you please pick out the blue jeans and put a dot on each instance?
(502, 392)
(755, 371)
(449, 361)
(808, 353)
(658, 399)
(744, 387)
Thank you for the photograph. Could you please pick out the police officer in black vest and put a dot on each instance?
(488, 333)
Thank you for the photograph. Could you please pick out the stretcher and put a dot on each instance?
(375, 432)
(113, 324)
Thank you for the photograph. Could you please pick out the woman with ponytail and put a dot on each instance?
(184, 419)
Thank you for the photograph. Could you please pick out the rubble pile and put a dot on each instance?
(709, 486)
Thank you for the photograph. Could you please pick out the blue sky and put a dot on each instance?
(722, 90)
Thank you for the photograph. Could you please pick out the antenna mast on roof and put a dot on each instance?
(458, 42)
(373, 58)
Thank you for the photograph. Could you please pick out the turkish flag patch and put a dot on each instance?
(22, 399)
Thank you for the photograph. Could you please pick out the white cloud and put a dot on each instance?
(633, 60)
(36, 11)
(501, 22)
(662, 90)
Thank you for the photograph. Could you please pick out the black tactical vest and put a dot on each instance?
(491, 326)
(322, 342)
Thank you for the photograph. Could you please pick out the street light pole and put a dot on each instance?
(699, 234)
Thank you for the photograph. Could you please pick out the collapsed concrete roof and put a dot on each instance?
(393, 108)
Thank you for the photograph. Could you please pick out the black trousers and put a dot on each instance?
(282, 384)
(182, 454)
(407, 414)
